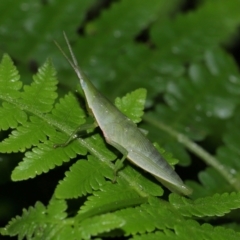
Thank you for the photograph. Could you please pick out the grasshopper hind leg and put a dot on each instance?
(74, 135)
(118, 163)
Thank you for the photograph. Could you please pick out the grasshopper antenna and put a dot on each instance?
(73, 62)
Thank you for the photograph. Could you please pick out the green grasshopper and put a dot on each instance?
(120, 132)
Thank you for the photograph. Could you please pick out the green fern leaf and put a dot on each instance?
(228, 154)
(192, 33)
(41, 92)
(149, 217)
(56, 209)
(165, 235)
(211, 182)
(232, 225)
(204, 231)
(11, 116)
(37, 220)
(29, 219)
(43, 223)
(9, 79)
(216, 205)
(192, 229)
(166, 155)
(26, 136)
(83, 177)
(111, 197)
(46, 157)
(68, 117)
(219, 67)
(180, 227)
(132, 105)
(38, 14)
(99, 224)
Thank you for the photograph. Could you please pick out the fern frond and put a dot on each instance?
(232, 225)
(15, 226)
(83, 177)
(216, 205)
(99, 224)
(41, 92)
(27, 135)
(192, 33)
(132, 105)
(39, 127)
(17, 105)
(9, 78)
(10, 114)
(43, 223)
(45, 157)
(37, 220)
(26, 101)
(200, 86)
(30, 46)
(143, 220)
(228, 154)
(204, 231)
(68, 118)
(211, 182)
(149, 217)
(166, 155)
(165, 235)
(193, 230)
(110, 197)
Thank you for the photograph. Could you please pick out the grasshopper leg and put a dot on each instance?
(118, 166)
(73, 136)
(118, 163)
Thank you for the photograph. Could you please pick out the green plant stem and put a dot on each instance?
(196, 149)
